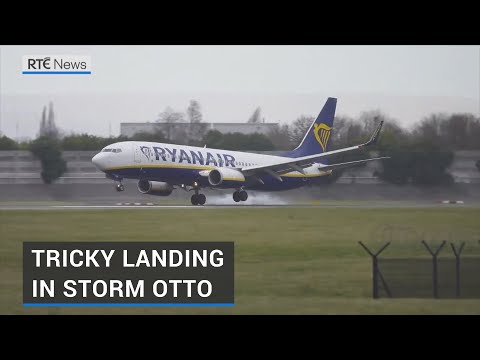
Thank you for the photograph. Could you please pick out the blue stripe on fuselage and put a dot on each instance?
(188, 176)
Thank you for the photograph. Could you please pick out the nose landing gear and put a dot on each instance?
(119, 187)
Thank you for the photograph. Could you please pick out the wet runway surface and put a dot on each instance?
(103, 197)
(392, 204)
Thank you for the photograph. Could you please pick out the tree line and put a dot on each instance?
(420, 155)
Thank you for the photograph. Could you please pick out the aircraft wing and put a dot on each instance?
(298, 164)
(349, 164)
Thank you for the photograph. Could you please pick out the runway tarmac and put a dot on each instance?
(392, 204)
(103, 197)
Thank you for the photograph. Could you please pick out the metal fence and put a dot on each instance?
(449, 276)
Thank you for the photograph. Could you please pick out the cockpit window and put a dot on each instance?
(107, 150)
(112, 150)
(117, 150)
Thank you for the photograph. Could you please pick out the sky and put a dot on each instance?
(136, 83)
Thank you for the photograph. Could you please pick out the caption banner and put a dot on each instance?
(127, 274)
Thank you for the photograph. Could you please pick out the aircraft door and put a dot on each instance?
(136, 153)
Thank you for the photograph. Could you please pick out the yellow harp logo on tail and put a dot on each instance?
(322, 133)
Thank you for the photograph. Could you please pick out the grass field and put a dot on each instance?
(287, 260)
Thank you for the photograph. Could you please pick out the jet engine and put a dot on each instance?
(154, 188)
(218, 176)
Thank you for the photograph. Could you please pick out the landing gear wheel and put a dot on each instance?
(119, 187)
(194, 199)
(236, 196)
(201, 199)
(243, 195)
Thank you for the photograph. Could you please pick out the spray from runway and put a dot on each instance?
(253, 199)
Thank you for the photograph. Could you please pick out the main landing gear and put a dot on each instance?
(240, 195)
(198, 199)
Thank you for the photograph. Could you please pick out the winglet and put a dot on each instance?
(375, 136)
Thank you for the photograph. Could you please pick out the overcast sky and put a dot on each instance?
(135, 83)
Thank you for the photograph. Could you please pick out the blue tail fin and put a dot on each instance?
(317, 137)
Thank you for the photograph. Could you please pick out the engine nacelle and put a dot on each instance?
(154, 188)
(218, 176)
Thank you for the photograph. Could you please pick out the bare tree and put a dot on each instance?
(299, 128)
(170, 120)
(430, 128)
(194, 114)
(474, 134)
(43, 123)
(171, 116)
(52, 128)
(256, 116)
(354, 133)
(370, 120)
(339, 134)
(280, 137)
(197, 128)
(457, 129)
(47, 124)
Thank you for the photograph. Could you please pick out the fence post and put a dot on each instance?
(457, 266)
(374, 266)
(435, 270)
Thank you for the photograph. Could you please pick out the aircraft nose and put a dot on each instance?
(96, 160)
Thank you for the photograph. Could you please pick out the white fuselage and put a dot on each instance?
(181, 164)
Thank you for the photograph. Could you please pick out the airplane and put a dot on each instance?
(160, 168)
